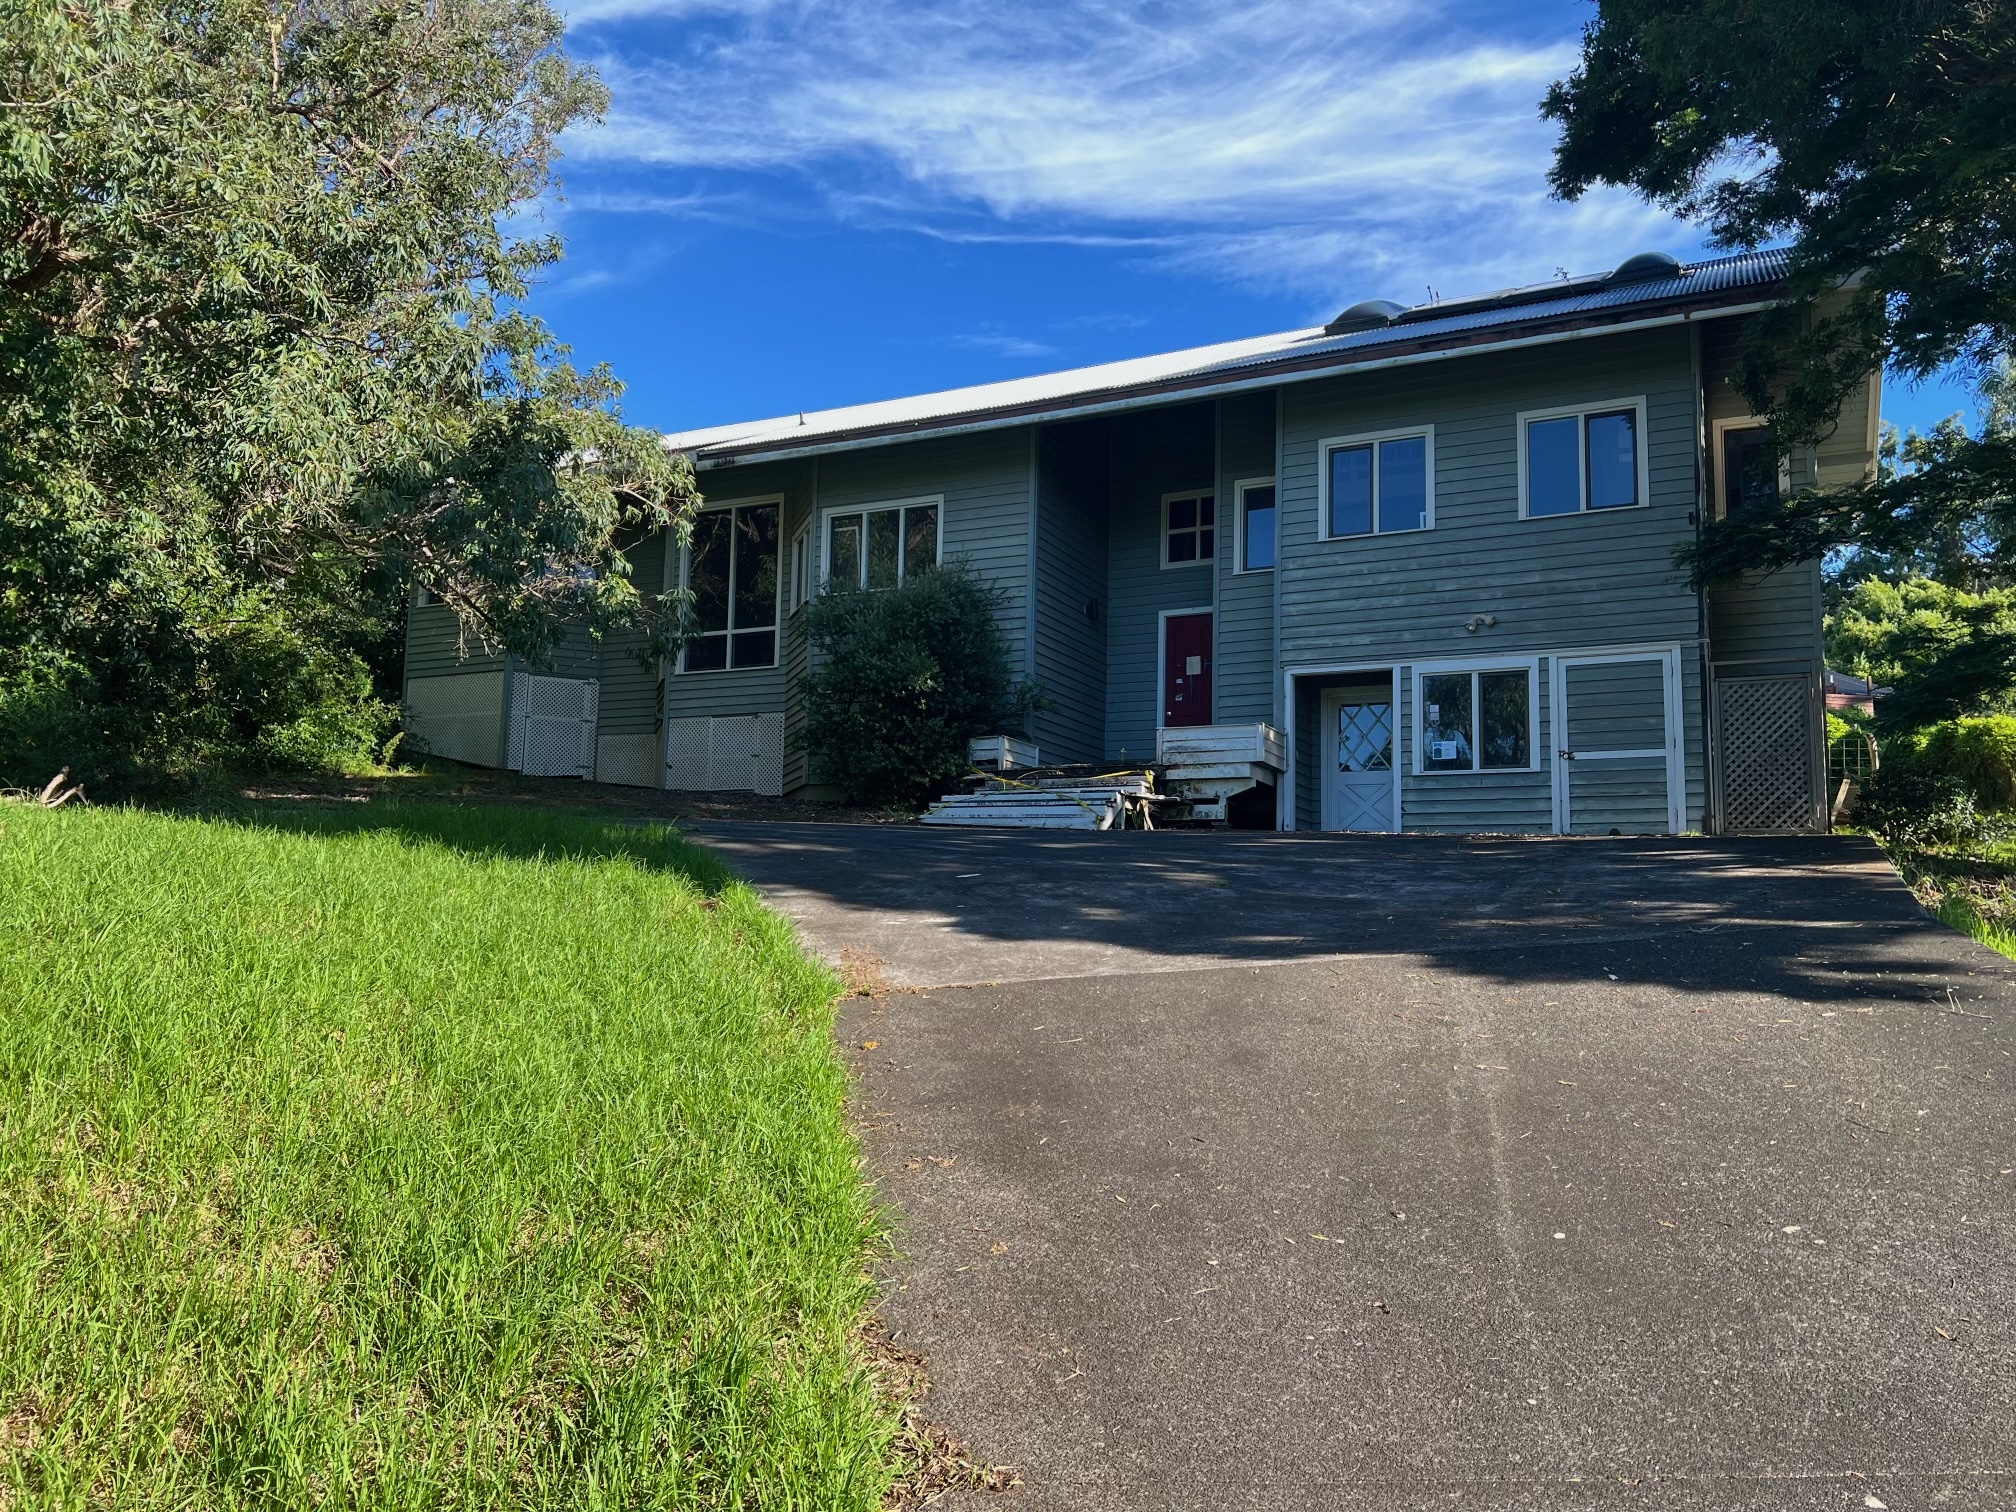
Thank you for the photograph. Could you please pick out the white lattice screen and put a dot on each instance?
(459, 715)
(552, 725)
(742, 753)
(1766, 728)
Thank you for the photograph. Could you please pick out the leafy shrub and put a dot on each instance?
(1912, 804)
(257, 691)
(1979, 752)
(902, 679)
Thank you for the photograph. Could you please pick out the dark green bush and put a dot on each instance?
(902, 678)
(1979, 751)
(259, 692)
(1912, 804)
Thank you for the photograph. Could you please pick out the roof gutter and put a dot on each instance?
(1175, 393)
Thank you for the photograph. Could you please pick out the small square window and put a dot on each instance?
(1189, 529)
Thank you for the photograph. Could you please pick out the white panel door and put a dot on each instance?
(1617, 730)
(1358, 762)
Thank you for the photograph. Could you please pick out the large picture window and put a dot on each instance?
(1475, 721)
(1577, 461)
(880, 546)
(731, 569)
(1378, 485)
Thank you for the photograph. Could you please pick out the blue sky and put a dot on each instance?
(795, 204)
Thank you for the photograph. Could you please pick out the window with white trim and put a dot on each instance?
(801, 568)
(1581, 460)
(880, 546)
(1377, 485)
(731, 571)
(1189, 528)
(1474, 721)
(1256, 525)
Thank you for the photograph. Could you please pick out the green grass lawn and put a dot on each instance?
(408, 1155)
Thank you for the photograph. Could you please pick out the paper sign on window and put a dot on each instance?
(1192, 666)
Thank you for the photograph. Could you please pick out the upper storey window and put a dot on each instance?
(879, 546)
(1573, 461)
(1189, 529)
(1377, 485)
(731, 569)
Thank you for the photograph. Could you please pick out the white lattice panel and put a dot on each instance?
(770, 754)
(459, 715)
(1766, 737)
(631, 760)
(686, 754)
(736, 754)
(552, 725)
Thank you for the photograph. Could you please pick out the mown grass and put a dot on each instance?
(409, 1156)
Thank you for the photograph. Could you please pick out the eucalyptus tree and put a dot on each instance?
(264, 361)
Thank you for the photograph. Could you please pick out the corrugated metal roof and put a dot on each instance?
(1471, 320)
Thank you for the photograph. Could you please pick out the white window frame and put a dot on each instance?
(1582, 412)
(876, 507)
(714, 506)
(1417, 717)
(803, 576)
(1717, 430)
(1239, 567)
(1372, 439)
(1217, 527)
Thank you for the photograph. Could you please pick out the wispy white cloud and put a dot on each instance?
(1320, 146)
(1001, 345)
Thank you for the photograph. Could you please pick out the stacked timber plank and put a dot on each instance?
(1059, 800)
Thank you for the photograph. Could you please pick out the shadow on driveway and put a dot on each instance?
(942, 908)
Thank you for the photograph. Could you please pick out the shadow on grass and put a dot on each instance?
(490, 831)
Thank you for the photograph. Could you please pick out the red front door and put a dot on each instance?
(1186, 670)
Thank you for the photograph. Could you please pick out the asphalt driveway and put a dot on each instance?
(1391, 1172)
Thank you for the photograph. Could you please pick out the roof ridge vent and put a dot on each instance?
(1366, 315)
(1643, 267)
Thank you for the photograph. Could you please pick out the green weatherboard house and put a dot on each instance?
(1412, 570)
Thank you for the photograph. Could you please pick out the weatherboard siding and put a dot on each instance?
(1153, 453)
(984, 480)
(436, 646)
(631, 700)
(1772, 621)
(1244, 663)
(1071, 487)
(1595, 579)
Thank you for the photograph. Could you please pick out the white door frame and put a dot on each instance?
(1285, 811)
(1328, 699)
(1557, 729)
(1162, 656)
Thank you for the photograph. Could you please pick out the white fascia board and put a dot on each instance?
(1097, 407)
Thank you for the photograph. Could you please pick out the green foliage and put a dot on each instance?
(420, 1156)
(1881, 139)
(260, 351)
(1917, 807)
(1978, 752)
(1944, 651)
(902, 679)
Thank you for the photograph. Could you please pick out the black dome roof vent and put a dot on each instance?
(1644, 267)
(1365, 315)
